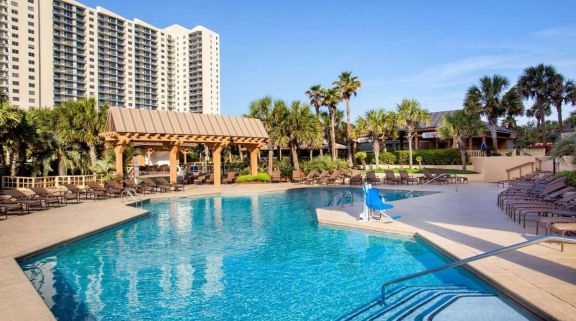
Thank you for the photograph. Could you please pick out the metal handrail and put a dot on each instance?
(475, 258)
(341, 200)
(428, 182)
(133, 195)
(341, 194)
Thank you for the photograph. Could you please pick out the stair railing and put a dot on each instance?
(428, 182)
(504, 249)
(133, 194)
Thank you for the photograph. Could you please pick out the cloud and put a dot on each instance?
(555, 32)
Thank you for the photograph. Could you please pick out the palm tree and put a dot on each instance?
(331, 98)
(348, 86)
(536, 83)
(412, 115)
(302, 128)
(461, 125)
(562, 92)
(372, 124)
(10, 117)
(315, 94)
(509, 122)
(491, 99)
(262, 109)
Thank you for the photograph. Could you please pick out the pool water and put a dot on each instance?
(260, 257)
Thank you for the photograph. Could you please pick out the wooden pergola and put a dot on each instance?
(173, 129)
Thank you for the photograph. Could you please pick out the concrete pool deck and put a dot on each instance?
(461, 224)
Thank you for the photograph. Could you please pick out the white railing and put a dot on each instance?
(480, 153)
(47, 181)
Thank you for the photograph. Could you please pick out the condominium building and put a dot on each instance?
(52, 51)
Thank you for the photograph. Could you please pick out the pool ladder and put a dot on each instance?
(339, 198)
(133, 194)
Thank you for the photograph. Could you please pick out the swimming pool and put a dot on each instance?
(259, 257)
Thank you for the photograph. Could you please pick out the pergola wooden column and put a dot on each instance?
(173, 129)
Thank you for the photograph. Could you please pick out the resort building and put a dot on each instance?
(428, 138)
(52, 51)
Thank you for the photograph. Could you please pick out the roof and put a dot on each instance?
(185, 124)
(437, 117)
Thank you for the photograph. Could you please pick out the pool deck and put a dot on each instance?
(460, 223)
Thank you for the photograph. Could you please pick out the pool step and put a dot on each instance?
(413, 303)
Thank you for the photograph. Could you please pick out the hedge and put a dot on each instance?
(388, 158)
(570, 177)
(429, 157)
(324, 163)
(260, 177)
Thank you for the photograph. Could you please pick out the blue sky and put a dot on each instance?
(428, 50)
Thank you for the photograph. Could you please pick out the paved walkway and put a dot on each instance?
(469, 222)
(462, 224)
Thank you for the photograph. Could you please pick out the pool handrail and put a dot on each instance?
(133, 195)
(428, 182)
(504, 249)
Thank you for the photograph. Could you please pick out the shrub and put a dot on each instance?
(324, 163)
(370, 158)
(450, 156)
(284, 165)
(260, 177)
(361, 156)
(570, 177)
(387, 158)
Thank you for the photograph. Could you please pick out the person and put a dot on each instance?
(483, 148)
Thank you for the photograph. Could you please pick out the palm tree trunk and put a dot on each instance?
(559, 113)
(410, 137)
(311, 153)
(294, 153)
(376, 149)
(240, 153)
(494, 137)
(322, 150)
(348, 142)
(93, 155)
(270, 157)
(13, 160)
(462, 148)
(354, 148)
(333, 133)
(2, 159)
(22, 157)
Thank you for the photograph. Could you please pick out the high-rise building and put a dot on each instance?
(52, 51)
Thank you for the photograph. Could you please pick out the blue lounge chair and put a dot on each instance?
(376, 205)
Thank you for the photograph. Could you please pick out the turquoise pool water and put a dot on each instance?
(260, 257)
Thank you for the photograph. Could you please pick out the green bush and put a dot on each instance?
(387, 158)
(324, 163)
(570, 177)
(361, 156)
(370, 158)
(450, 156)
(284, 165)
(260, 177)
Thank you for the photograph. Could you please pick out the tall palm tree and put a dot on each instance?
(536, 83)
(491, 99)
(302, 127)
(315, 94)
(331, 98)
(412, 115)
(372, 124)
(461, 125)
(10, 117)
(348, 86)
(562, 92)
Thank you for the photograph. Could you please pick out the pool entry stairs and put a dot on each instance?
(422, 302)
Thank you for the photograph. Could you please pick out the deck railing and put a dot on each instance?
(46, 181)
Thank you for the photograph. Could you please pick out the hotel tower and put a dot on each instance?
(52, 51)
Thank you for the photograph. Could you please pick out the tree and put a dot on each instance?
(302, 127)
(509, 122)
(262, 109)
(315, 95)
(490, 99)
(372, 124)
(331, 98)
(461, 125)
(348, 86)
(562, 92)
(412, 115)
(10, 117)
(536, 83)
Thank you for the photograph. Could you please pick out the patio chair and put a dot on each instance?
(564, 229)
(101, 192)
(150, 183)
(64, 197)
(375, 204)
(230, 178)
(164, 182)
(276, 176)
(297, 176)
(568, 216)
(436, 178)
(47, 198)
(371, 178)
(77, 191)
(356, 178)
(311, 177)
(391, 178)
(200, 180)
(322, 178)
(20, 196)
(210, 179)
(139, 188)
(334, 177)
(26, 201)
(405, 177)
(6, 207)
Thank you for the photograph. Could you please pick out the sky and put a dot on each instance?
(432, 51)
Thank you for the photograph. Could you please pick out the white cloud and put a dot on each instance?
(555, 32)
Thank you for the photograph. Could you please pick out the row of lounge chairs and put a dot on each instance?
(355, 178)
(545, 196)
(317, 177)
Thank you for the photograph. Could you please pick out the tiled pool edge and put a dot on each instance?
(453, 250)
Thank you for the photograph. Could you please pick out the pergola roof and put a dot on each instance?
(126, 124)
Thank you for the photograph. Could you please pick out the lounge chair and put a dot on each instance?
(546, 222)
(564, 229)
(371, 178)
(200, 179)
(297, 176)
(276, 176)
(405, 177)
(311, 177)
(356, 178)
(164, 182)
(26, 201)
(46, 200)
(139, 188)
(102, 192)
(230, 178)
(439, 179)
(77, 191)
(391, 178)
(150, 183)
(210, 179)
(334, 177)
(63, 197)
(375, 204)
(6, 207)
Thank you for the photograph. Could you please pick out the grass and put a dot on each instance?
(431, 170)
